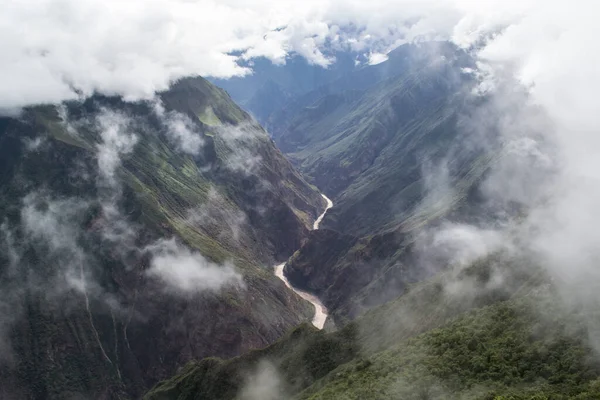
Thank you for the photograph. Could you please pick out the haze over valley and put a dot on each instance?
(337, 199)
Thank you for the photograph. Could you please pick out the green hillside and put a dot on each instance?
(90, 190)
(366, 148)
(397, 158)
(517, 341)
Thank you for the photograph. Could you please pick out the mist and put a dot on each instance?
(137, 49)
(241, 145)
(62, 240)
(536, 77)
(262, 383)
(182, 132)
(184, 271)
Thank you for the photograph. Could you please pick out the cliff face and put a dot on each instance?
(139, 236)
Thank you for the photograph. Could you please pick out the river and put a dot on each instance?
(320, 310)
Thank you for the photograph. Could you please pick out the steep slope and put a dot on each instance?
(486, 341)
(398, 159)
(367, 146)
(271, 85)
(402, 60)
(139, 236)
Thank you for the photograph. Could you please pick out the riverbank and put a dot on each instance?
(320, 310)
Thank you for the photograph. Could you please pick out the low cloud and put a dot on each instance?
(34, 145)
(377, 58)
(62, 226)
(54, 222)
(459, 244)
(264, 383)
(180, 129)
(54, 228)
(243, 160)
(136, 48)
(242, 141)
(185, 271)
(117, 140)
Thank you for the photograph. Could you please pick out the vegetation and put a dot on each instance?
(364, 138)
(525, 347)
(391, 146)
(528, 346)
(302, 356)
(92, 329)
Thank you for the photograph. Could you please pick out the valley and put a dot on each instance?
(421, 276)
(134, 237)
(164, 233)
(320, 310)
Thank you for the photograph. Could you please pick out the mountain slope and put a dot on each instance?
(395, 153)
(366, 147)
(517, 339)
(139, 236)
(399, 158)
(271, 85)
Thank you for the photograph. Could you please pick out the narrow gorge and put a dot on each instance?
(320, 310)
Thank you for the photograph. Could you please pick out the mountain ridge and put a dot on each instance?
(153, 194)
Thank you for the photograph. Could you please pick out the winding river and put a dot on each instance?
(320, 310)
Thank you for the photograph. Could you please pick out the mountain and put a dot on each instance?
(432, 289)
(137, 236)
(514, 341)
(392, 144)
(270, 85)
(374, 137)
(403, 59)
(395, 152)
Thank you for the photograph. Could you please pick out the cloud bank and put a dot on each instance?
(55, 50)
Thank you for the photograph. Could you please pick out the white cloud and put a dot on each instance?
(458, 245)
(243, 160)
(54, 50)
(241, 142)
(56, 224)
(53, 221)
(377, 58)
(116, 141)
(188, 272)
(548, 50)
(264, 383)
(217, 213)
(64, 49)
(180, 129)
(61, 49)
(33, 144)
(465, 243)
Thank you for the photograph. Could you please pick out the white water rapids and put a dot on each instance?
(320, 309)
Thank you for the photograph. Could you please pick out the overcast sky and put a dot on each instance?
(54, 50)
